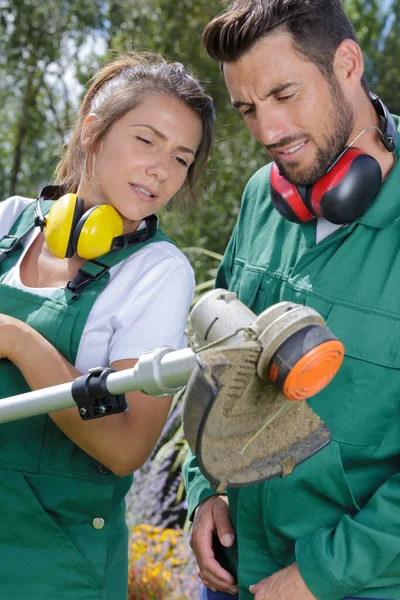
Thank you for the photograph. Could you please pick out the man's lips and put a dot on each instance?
(289, 152)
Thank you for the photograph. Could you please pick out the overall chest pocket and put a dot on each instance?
(246, 284)
(360, 402)
(255, 287)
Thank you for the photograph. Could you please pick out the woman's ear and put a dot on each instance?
(88, 131)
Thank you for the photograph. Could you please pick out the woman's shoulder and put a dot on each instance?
(157, 255)
(155, 267)
(165, 250)
(17, 202)
(10, 209)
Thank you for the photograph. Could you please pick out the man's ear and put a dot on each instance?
(348, 63)
(88, 130)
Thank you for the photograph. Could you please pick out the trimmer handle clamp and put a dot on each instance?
(92, 396)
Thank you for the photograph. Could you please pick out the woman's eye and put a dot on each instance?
(144, 141)
(181, 161)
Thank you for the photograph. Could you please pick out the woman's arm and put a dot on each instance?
(121, 442)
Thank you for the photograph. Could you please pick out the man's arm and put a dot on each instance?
(211, 518)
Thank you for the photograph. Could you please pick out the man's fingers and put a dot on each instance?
(212, 516)
(210, 569)
(223, 523)
(208, 585)
(220, 586)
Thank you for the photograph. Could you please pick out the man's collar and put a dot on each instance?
(385, 209)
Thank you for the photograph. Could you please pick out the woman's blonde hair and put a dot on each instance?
(118, 88)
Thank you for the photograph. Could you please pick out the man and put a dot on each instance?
(331, 529)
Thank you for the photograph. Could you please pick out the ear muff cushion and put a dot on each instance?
(348, 189)
(286, 198)
(60, 224)
(95, 231)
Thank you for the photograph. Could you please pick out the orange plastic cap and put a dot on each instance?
(314, 370)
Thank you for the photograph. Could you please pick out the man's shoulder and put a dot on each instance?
(258, 185)
(256, 206)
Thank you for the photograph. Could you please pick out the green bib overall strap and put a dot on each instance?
(96, 268)
(82, 291)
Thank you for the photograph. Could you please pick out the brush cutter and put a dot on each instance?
(247, 378)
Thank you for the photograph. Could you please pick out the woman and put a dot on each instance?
(144, 131)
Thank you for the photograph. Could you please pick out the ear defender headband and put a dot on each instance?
(68, 229)
(348, 187)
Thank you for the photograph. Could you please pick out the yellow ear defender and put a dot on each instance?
(68, 228)
(90, 234)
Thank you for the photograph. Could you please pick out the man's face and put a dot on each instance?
(302, 119)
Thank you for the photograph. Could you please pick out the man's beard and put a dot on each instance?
(341, 116)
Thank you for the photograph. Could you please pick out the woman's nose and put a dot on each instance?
(160, 168)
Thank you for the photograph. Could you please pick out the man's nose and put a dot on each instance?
(272, 126)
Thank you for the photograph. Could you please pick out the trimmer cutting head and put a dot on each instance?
(237, 419)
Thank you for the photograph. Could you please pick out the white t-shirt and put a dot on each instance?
(144, 306)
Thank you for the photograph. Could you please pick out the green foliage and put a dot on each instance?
(38, 42)
(377, 25)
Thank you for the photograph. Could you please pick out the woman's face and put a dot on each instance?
(144, 157)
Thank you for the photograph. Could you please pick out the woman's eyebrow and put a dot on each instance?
(164, 137)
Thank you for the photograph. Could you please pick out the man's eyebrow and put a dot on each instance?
(276, 90)
(159, 134)
(238, 104)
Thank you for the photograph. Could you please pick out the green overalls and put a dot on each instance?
(338, 513)
(63, 534)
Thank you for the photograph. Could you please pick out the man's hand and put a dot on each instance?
(212, 517)
(286, 584)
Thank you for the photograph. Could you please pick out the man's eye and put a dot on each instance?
(283, 98)
(248, 112)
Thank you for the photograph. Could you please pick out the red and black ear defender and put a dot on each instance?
(348, 187)
(69, 229)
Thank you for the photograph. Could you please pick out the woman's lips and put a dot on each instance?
(143, 192)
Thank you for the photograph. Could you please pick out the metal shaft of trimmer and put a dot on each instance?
(158, 372)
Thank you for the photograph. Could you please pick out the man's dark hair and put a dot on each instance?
(317, 26)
